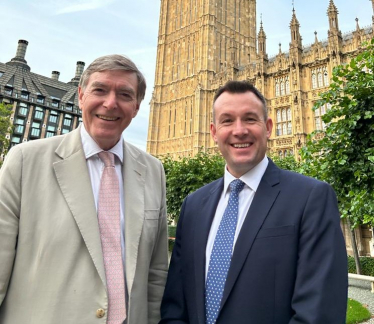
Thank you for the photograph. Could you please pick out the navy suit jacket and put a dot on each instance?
(289, 263)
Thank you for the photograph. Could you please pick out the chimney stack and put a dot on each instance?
(79, 69)
(19, 59)
(78, 73)
(55, 75)
(21, 50)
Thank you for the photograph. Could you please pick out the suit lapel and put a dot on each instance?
(202, 227)
(134, 174)
(75, 184)
(263, 201)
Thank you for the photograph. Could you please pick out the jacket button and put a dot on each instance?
(100, 313)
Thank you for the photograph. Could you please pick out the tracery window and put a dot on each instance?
(283, 122)
(282, 86)
(318, 113)
(320, 77)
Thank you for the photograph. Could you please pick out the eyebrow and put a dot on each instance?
(98, 84)
(224, 115)
(104, 85)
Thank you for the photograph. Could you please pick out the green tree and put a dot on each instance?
(343, 154)
(188, 174)
(288, 162)
(5, 127)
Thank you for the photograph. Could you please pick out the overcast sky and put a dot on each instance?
(62, 32)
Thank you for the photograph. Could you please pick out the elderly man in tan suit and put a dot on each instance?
(54, 261)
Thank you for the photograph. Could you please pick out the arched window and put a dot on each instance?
(279, 130)
(283, 121)
(289, 128)
(287, 86)
(320, 82)
(326, 78)
(314, 81)
(277, 92)
(284, 116)
(279, 117)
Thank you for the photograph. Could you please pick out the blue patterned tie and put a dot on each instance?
(221, 254)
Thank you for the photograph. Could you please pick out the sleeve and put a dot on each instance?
(320, 294)
(10, 206)
(173, 306)
(159, 262)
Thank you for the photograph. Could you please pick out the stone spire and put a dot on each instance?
(261, 40)
(315, 37)
(332, 13)
(295, 31)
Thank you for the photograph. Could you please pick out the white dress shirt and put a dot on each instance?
(252, 180)
(95, 169)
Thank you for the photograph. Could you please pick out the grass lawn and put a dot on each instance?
(356, 313)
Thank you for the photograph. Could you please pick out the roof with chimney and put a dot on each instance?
(16, 76)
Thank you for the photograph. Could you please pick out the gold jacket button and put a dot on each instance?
(100, 313)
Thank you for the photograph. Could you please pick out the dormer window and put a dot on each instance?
(55, 103)
(8, 90)
(25, 95)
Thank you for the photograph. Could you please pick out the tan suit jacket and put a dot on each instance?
(51, 263)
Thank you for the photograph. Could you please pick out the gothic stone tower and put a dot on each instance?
(197, 39)
(204, 43)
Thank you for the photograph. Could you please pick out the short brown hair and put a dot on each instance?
(115, 62)
(241, 87)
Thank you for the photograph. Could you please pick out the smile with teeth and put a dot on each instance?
(107, 117)
(241, 145)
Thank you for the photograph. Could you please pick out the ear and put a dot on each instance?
(269, 127)
(213, 131)
(136, 110)
(80, 97)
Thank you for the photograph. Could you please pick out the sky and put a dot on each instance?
(62, 32)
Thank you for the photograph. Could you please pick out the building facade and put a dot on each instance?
(204, 43)
(42, 106)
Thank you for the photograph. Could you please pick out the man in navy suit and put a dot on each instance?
(288, 258)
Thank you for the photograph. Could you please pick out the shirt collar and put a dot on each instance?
(91, 148)
(252, 178)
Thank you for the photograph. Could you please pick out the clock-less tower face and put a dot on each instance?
(198, 40)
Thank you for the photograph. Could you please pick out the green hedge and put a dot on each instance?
(367, 265)
(171, 232)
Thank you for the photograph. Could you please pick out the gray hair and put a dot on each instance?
(114, 62)
(241, 87)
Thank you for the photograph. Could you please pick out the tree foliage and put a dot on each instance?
(343, 154)
(5, 127)
(288, 162)
(188, 174)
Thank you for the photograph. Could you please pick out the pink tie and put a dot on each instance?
(110, 234)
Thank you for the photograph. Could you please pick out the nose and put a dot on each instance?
(110, 100)
(239, 128)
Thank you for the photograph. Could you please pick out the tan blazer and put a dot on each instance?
(51, 264)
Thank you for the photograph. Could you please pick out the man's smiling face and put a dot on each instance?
(240, 130)
(108, 104)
